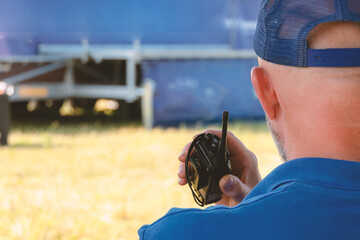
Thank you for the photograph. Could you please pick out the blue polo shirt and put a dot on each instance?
(308, 198)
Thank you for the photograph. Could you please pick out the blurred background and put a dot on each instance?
(98, 98)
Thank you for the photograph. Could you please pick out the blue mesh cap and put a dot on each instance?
(283, 26)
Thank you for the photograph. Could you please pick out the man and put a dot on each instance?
(308, 83)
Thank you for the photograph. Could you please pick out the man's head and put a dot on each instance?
(312, 111)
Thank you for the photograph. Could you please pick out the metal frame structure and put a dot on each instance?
(60, 56)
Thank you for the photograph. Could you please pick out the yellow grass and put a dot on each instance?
(92, 182)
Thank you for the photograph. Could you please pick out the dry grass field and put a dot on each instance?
(85, 181)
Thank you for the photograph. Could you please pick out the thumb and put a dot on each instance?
(233, 188)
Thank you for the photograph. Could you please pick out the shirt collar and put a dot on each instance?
(330, 172)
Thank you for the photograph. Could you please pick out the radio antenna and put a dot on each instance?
(222, 148)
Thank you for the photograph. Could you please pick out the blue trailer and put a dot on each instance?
(194, 56)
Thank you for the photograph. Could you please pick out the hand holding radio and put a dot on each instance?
(235, 186)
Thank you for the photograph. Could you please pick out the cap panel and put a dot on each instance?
(270, 4)
(281, 35)
(354, 6)
(296, 19)
(260, 38)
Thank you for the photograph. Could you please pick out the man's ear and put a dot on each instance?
(265, 91)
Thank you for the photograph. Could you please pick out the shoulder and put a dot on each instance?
(302, 199)
(218, 222)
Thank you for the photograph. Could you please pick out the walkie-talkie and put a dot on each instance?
(207, 161)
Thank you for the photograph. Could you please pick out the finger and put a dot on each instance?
(233, 188)
(183, 153)
(182, 181)
(198, 134)
(181, 172)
